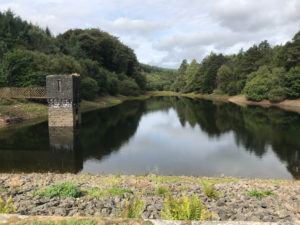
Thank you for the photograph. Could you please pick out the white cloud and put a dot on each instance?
(164, 32)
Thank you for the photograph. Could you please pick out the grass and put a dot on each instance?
(162, 190)
(61, 190)
(7, 206)
(133, 208)
(259, 193)
(210, 190)
(99, 193)
(184, 208)
(64, 222)
(22, 108)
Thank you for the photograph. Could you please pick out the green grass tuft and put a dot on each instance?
(7, 206)
(210, 190)
(133, 208)
(260, 193)
(162, 190)
(61, 190)
(184, 208)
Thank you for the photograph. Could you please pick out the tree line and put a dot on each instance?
(261, 72)
(28, 53)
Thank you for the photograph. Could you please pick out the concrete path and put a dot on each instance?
(16, 219)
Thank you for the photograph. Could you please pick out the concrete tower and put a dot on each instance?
(63, 100)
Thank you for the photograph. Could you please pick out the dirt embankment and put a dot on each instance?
(290, 105)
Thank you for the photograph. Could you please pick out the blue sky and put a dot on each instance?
(163, 32)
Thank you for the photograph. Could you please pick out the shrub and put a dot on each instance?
(112, 85)
(258, 85)
(184, 208)
(89, 88)
(259, 193)
(129, 87)
(61, 190)
(277, 94)
(7, 206)
(133, 208)
(210, 191)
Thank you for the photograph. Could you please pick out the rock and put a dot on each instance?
(60, 212)
(264, 205)
(282, 214)
(221, 202)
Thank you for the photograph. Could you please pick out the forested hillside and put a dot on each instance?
(158, 79)
(28, 53)
(261, 72)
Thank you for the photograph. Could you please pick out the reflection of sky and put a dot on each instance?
(161, 145)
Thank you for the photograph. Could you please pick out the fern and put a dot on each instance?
(133, 208)
(7, 206)
(184, 208)
(210, 190)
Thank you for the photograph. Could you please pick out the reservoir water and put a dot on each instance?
(162, 135)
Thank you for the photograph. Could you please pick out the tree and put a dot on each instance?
(180, 82)
(89, 88)
(192, 72)
(207, 81)
(259, 84)
(129, 87)
(25, 68)
(290, 55)
(291, 82)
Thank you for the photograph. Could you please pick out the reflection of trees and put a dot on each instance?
(105, 131)
(25, 138)
(254, 127)
(27, 150)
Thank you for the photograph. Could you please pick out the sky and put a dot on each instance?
(164, 32)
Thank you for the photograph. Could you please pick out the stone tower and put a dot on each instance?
(63, 100)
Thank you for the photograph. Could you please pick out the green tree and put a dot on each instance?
(192, 72)
(207, 80)
(89, 88)
(128, 87)
(259, 84)
(291, 82)
(25, 68)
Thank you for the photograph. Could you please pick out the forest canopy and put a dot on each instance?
(28, 53)
(261, 72)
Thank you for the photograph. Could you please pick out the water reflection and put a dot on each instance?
(163, 135)
(39, 149)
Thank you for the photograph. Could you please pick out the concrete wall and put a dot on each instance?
(63, 100)
(61, 117)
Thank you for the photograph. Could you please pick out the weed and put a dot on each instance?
(162, 190)
(184, 208)
(210, 190)
(61, 190)
(260, 193)
(133, 208)
(7, 206)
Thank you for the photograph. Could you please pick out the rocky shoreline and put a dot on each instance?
(233, 201)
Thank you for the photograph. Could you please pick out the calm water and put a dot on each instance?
(169, 136)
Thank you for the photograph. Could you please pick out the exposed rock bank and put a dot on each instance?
(234, 202)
